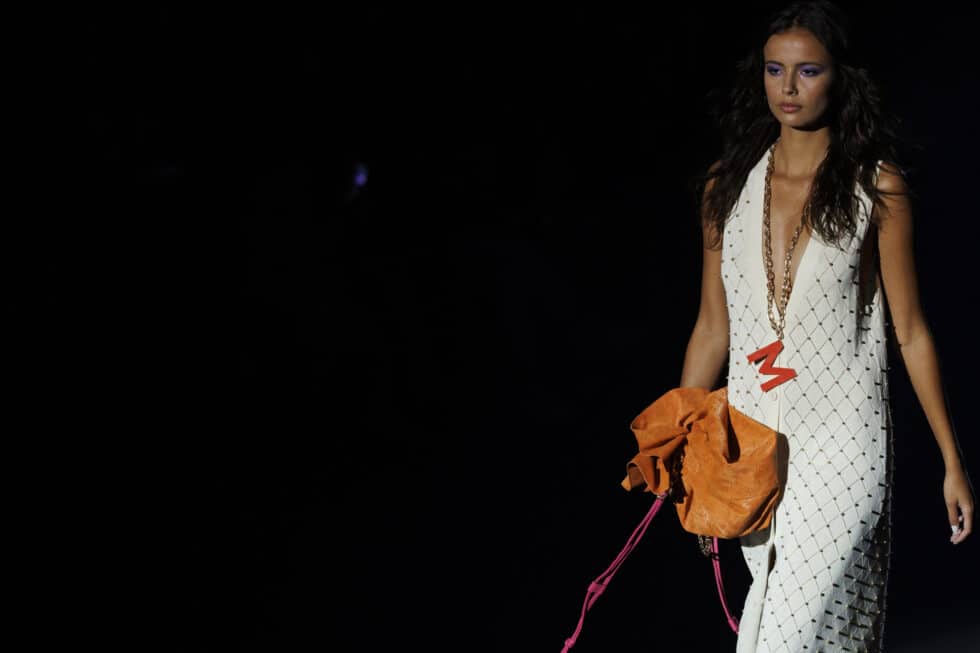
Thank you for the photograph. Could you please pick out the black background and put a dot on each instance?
(397, 417)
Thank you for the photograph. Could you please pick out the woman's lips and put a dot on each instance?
(789, 108)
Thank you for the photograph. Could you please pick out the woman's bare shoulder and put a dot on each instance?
(891, 178)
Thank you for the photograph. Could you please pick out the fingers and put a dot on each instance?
(955, 518)
(960, 533)
(957, 531)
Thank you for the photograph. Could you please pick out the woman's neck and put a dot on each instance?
(799, 153)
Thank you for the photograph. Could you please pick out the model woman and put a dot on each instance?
(808, 253)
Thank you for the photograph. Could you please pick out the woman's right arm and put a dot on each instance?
(707, 349)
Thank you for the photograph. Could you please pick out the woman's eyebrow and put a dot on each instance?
(802, 63)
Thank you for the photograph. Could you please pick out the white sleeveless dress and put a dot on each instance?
(820, 570)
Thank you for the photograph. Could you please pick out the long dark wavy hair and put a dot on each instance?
(861, 132)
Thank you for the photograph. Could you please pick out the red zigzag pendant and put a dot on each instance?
(769, 352)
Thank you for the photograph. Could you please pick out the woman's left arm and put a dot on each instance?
(915, 341)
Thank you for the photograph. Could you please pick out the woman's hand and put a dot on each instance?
(959, 498)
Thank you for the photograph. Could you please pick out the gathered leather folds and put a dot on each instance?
(724, 463)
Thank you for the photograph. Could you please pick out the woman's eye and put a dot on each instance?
(806, 72)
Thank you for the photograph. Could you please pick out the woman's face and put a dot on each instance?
(798, 71)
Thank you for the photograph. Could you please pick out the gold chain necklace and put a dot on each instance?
(768, 353)
(767, 237)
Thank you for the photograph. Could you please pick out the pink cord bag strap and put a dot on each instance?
(599, 585)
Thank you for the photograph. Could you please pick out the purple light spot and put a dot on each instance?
(360, 175)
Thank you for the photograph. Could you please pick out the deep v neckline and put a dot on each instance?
(801, 280)
(796, 275)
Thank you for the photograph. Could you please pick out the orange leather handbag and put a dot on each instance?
(719, 467)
